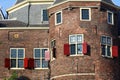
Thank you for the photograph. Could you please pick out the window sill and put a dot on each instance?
(107, 56)
(85, 20)
(41, 68)
(17, 68)
(77, 55)
(58, 24)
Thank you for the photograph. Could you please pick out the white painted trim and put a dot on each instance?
(73, 74)
(112, 17)
(89, 14)
(25, 28)
(26, 3)
(56, 18)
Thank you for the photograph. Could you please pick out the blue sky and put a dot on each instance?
(5, 4)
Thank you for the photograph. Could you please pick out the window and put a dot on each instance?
(110, 17)
(39, 56)
(17, 57)
(85, 14)
(75, 42)
(53, 47)
(106, 44)
(58, 18)
(45, 15)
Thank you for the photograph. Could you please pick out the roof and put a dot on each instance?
(1, 15)
(19, 1)
(12, 23)
(59, 1)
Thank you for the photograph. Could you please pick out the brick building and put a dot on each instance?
(81, 36)
(84, 40)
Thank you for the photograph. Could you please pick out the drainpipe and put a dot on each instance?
(28, 23)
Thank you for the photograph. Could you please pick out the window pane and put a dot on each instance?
(37, 63)
(72, 39)
(108, 51)
(20, 63)
(72, 49)
(20, 53)
(43, 53)
(79, 48)
(58, 17)
(85, 13)
(13, 63)
(103, 40)
(79, 38)
(45, 15)
(109, 41)
(44, 64)
(37, 53)
(103, 50)
(109, 17)
(13, 53)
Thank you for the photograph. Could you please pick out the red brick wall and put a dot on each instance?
(28, 39)
(104, 68)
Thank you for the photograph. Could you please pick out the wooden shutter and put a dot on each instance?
(26, 63)
(66, 49)
(114, 51)
(54, 52)
(7, 63)
(47, 55)
(31, 63)
(84, 48)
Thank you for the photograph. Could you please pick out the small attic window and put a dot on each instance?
(58, 18)
(110, 17)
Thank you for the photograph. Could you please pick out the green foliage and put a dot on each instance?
(14, 76)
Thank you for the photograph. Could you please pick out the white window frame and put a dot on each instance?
(42, 15)
(106, 47)
(76, 54)
(112, 23)
(56, 18)
(17, 58)
(40, 57)
(89, 14)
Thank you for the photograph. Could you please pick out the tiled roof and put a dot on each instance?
(59, 1)
(18, 1)
(12, 23)
(1, 15)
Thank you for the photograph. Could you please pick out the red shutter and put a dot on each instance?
(31, 63)
(66, 49)
(47, 55)
(115, 51)
(84, 48)
(26, 63)
(7, 63)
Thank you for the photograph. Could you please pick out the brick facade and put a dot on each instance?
(92, 66)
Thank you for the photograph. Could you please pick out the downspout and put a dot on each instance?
(28, 23)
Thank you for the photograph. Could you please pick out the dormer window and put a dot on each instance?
(58, 18)
(44, 15)
(110, 17)
(85, 14)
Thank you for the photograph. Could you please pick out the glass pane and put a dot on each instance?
(79, 38)
(13, 63)
(43, 53)
(13, 53)
(72, 39)
(103, 40)
(20, 53)
(37, 53)
(108, 51)
(44, 64)
(58, 17)
(103, 50)
(45, 15)
(85, 13)
(37, 63)
(79, 48)
(109, 17)
(72, 49)
(109, 41)
(20, 63)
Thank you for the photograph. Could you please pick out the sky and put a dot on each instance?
(5, 4)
